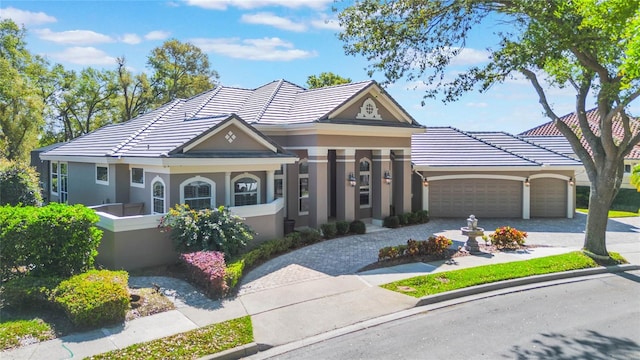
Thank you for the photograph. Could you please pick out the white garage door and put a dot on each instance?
(485, 198)
(548, 197)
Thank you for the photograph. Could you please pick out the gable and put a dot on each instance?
(231, 138)
(371, 106)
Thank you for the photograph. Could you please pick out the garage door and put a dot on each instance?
(485, 198)
(548, 197)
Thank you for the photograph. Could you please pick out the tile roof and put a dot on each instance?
(451, 147)
(558, 144)
(164, 129)
(549, 129)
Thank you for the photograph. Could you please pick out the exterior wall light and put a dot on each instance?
(387, 177)
(352, 180)
(425, 182)
(526, 182)
(571, 182)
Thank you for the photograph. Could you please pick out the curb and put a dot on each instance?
(235, 353)
(500, 285)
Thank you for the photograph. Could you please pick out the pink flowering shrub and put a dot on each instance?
(207, 270)
(507, 237)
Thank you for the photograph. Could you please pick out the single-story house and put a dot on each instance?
(549, 136)
(308, 156)
(490, 174)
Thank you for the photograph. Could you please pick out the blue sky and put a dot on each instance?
(252, 42)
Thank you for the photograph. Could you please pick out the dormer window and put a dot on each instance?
(369, 111)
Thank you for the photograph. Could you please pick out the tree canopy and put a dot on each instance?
(326, 79)
(592, 47)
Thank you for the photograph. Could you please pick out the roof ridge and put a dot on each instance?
(497, 146)
(268, 102)
(340, 85)
(147, 125)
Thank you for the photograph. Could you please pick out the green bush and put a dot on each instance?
(54, 240)
(29, 292)
(206, 229)
(310, 236)
(422, 216)
(625, 200)
(391, 222)
(329, 230)
(233, 273)
(95, 298)
(357, 227)
(507, 237)
(19, 184)
(388, 253)
(342, 227)
(582, 196)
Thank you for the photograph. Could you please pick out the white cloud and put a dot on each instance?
(253, 4)
(267, 18)
(477, 104)
(23, 17)
(73, 37)
(468, 56)
(84, 56)
(131, 39)
(265, 49)
(157, 35)
(326, 23)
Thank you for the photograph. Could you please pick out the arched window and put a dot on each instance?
(157, 196)
(198, 193)
(303, 187)
(246, 190)
(365, 183)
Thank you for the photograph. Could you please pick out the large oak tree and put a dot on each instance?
(590, 46)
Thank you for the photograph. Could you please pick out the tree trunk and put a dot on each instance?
(600, 200)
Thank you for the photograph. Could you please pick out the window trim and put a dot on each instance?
(101, 182)
(212, 205)
(302, 176)
(54, 170)
(135, 184)
(233, 187)
(282, 177)
(360, 186)
(164, 195)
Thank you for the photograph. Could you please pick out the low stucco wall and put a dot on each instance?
(267, 227)
(135, 249)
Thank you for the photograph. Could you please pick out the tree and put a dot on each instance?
(635, 177)
(134, 92)
(19, 184)
(180, 70)
(326, 79)
(20, 106)
(590, 46)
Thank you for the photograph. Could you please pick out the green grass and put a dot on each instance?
(13, 332)
(451, 280)
(193, 344)
(613, 213)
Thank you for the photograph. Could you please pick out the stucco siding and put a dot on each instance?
(82, 185)
(135, 249)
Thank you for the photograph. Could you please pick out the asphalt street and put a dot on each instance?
(598, 318)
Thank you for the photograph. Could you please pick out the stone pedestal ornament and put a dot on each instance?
(472, 231)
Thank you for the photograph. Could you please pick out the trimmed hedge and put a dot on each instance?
(207, 270)
(415, 217)
(342, 227)
(329, 230)
(95, 298)
(30, 292)
(435, 245)
(357, 227)
(54, 240)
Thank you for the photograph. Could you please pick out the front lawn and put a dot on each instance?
(193, 344)
(613, 213)
(451, 280)
(20, 332)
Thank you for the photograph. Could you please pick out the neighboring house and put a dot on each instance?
(490, 174)
(275, 152)
(549, 136)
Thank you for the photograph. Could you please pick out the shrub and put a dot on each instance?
(329, 230)
(437, 245)
(29, 292)
(95, 298)
(422, 216)
(233, 273)
(404, 219)
(388, 253)
(413, 218)
(19, 184)
(207, 270)
(391, 222)
(54, 240)
(412, 248)
(342, 227)
(295, 238)
(507, 237)
(357, 227)
(206, 229)
(310, 236)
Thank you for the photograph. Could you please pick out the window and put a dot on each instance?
(627, 168)
(102, 175)
(198, 193)
(303, 187)
(157, 196)
(365, 186)
(278, 180)
(137, 177)
(246, 190)
(59, 181)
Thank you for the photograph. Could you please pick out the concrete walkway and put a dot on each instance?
(317, 289)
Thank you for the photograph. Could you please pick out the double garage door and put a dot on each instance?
(484, 198)
(493, 198)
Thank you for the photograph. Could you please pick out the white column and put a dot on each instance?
(570, 202)
(227, 189)
(526, 201)
(425, 197)
(270, 185)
